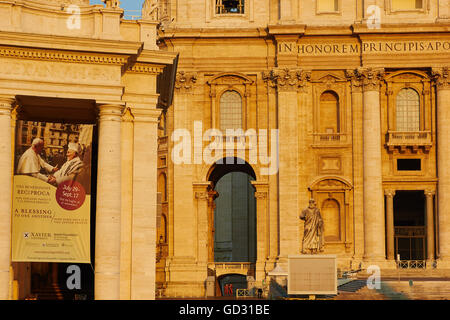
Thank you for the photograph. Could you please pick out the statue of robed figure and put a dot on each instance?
(313, 239)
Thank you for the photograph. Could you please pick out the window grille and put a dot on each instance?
(230, 110)
(408, 110)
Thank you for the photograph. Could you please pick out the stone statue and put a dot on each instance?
(150, 10)
(313, 238)
(112, 3)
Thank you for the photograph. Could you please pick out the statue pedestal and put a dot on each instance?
(312, 274)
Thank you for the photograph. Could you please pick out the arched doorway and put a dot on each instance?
(234, 231)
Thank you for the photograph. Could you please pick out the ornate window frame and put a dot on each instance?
(422, 84)
(223, 82)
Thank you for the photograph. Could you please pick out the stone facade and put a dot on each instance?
(330, 81)
(70, 61)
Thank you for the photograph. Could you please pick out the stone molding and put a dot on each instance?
(286, 79)
(145, 68)
(371, 78)
(185, 80)
(441, 78)
(61, 56)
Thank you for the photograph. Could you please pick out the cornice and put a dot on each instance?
(61, 56)
(42, 41)
(145, 68)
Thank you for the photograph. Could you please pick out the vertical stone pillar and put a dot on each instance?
(287, 84)
(107, 234)
(6, 172)
(262, 228)
(182, 172)
(145, 151)
(358, 165)
(442, 81)
(212, 195)
(374, 228)
(390, 223)
(429, 195)
(201, 222)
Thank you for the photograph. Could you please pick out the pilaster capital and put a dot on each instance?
(355, 79)
(261, 195)
(201, 195)
(110, 112)
(371, 78)
(389, 193)
(430, 193)
(287, 79)
(185, 81)
(441, 77)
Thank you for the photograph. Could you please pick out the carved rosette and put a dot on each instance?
(441, 78)
(371, 78)
(185, 80)
(288, 79)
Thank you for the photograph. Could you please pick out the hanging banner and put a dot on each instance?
(52, 192)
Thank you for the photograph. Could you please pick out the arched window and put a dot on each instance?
(329, 113)
(230, 110)
(408, 110)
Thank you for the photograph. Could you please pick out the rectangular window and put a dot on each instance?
(324, 6)
(409, 165)
(230, 6)
(398, 5)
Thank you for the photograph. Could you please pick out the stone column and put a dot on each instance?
(6, 172)
(374, 229)
(107, 233)
(262, 228)
(442, 80)
(390, 223)
(358, 166)
(429, 194)
(143, 232)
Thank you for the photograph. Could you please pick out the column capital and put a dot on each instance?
(110, 112)
(6, 105)
(185, 81)
(371, 78)
(287, 79)
(441, 77)
(389, 193)
(355, 79)
(430, 192)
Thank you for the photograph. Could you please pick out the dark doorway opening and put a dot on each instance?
(409, 224)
